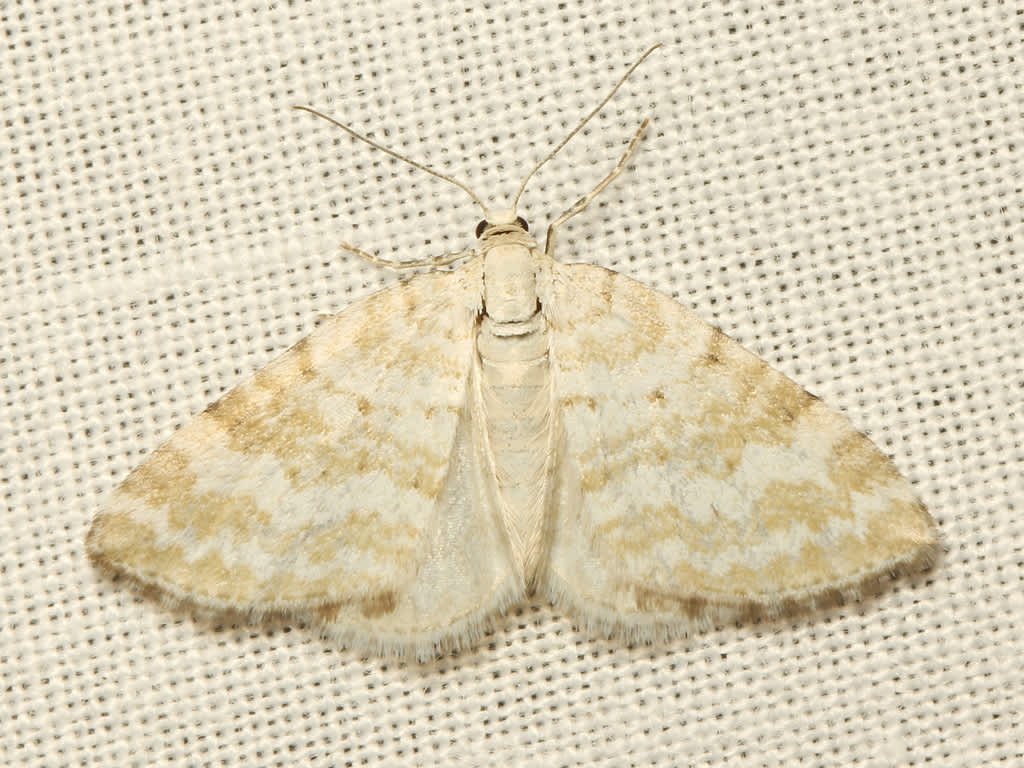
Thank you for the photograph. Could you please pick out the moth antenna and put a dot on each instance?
(583, 122)
(395, 155)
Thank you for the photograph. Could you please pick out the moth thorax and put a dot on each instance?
(510, 283)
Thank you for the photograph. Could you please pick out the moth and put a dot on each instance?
(514, 427)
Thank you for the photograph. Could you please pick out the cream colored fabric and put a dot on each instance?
(837, 187)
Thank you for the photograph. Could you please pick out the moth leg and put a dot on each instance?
(580, 205)
(433, 261)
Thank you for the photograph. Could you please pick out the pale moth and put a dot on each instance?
(460, 441)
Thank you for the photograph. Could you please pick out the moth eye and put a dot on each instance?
(481, 227)
(523, 224)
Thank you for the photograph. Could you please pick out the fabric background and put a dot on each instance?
(837, 186)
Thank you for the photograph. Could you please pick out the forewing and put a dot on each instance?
(698, 484)
(321, 486)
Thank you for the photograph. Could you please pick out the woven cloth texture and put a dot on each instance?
(835, 185)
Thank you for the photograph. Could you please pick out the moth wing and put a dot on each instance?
(338, 484)
(698, 485)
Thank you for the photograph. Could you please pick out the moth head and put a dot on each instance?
(505, 219)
